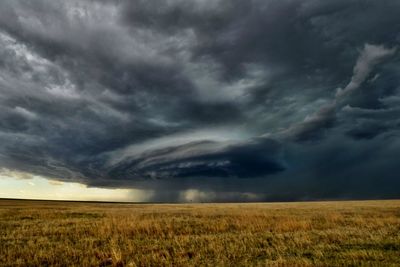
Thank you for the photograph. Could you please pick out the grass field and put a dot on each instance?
(45, 233)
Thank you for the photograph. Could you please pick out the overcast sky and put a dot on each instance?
(203, 100)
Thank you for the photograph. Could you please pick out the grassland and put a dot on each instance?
(45, 233)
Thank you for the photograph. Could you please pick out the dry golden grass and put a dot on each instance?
(45, 233)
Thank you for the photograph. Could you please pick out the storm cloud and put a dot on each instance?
(210, 100)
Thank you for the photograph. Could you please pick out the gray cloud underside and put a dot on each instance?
(243, 100)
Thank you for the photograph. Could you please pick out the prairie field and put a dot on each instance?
(54, 233)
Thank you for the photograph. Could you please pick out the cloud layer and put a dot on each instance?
(211, 100)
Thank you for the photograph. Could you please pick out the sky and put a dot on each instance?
(200, 100)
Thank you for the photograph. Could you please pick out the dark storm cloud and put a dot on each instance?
(187, 98)
(255, 158)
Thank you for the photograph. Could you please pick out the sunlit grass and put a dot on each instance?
(42, 233)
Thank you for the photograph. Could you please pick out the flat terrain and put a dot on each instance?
(45, 233)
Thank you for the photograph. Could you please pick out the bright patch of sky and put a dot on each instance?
(40, 188)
